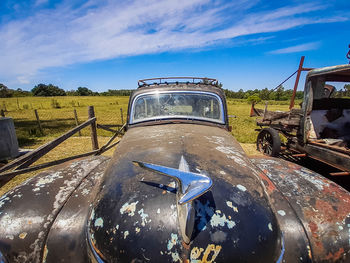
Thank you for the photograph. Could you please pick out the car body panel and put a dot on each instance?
(233, 220)
(28, 211)
(322, 206)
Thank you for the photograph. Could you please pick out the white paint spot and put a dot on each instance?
(126, 233)
(85, 192)
(241, 187)
(281, 212)
(158, 211)
(143, 217)
(229, 204)
(270, 227)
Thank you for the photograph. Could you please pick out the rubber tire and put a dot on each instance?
(272, 139)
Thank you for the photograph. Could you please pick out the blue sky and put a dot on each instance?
(111, 44)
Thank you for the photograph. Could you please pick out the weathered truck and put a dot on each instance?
(179, 188)
(320, 129)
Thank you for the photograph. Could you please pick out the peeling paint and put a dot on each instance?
(270, 227)
(143, 217)
(175, 257)
(126, 233)
(46, 252)
(241, 187)
(129, 208)
(99, 222)
(22, 235)
(173, 241)
(218, 220)
(281, 212)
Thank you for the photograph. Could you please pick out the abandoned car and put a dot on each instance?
(320, 129)
(179, 188)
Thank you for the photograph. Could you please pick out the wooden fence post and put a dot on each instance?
(38, 120)
(93, 129)
(121, 115)
(76, 120)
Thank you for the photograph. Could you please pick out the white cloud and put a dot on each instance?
(297, 48)
(66, 35)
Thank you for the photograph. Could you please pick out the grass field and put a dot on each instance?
(57, 116)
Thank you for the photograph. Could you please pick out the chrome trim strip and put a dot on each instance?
(222, 117)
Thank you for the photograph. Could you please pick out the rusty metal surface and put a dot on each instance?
(322, 206)
(135, 217)
(28, 211)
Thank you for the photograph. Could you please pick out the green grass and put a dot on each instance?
(56, 121)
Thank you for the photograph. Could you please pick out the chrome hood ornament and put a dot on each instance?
(190, 186)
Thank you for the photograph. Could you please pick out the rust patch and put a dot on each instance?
(336, 256)
(268, 183)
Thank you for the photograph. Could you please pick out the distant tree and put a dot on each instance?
(347, 89)
(43, 90)
(5, 92)
(254, 98)
(72, 93)
(114, 92)
(21, 93)
(83, 91)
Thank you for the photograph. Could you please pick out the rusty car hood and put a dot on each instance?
(136, 208)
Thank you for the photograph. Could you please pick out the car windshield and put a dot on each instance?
(177, 105)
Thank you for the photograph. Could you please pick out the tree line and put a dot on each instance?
(43, 90)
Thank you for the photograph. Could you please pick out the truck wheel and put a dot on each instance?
(269, 142)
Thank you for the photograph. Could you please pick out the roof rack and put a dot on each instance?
(177, 80)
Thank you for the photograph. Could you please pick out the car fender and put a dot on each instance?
(28, 211)
(322, 206)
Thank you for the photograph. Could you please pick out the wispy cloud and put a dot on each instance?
(110, 29)
(297, 48)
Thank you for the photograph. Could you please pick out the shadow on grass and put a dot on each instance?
(28, 132)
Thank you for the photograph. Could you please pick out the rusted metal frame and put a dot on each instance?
(300, 69)
(31, 157)
(104, 127)
(335, 148)
(11, 174)
(103, 148)
(340, 174)
(330, 157)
